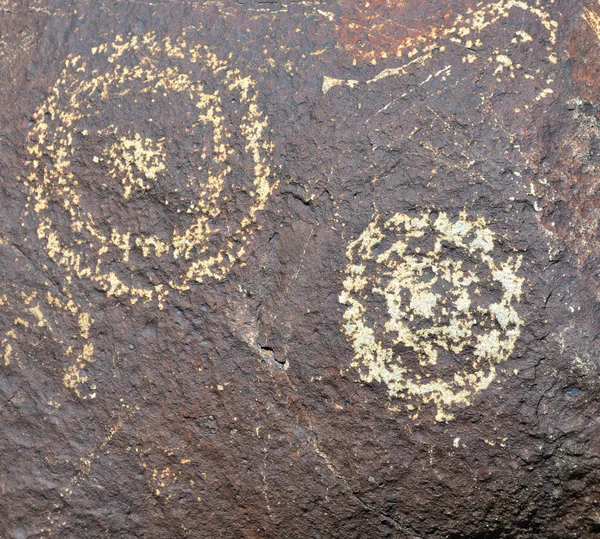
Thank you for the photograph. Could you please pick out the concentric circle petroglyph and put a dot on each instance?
(430, 308)
(147, 123)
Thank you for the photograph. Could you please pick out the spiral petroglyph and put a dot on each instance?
(144, 123)
(430, 310)
(194, 144)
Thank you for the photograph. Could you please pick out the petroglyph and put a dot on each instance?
(83, 161)
(593, 19)
(195, 143)
(40, 318)
(430, 308)
(376, 35)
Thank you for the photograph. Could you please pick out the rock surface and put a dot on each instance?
(297, 269)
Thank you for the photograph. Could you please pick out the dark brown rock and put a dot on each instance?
(299, 270)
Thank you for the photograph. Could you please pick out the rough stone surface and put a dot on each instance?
(299, 269)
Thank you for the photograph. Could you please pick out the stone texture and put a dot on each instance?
(299, 269)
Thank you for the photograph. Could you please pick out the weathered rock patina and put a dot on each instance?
(296, 269)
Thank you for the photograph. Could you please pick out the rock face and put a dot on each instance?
(296, 269)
